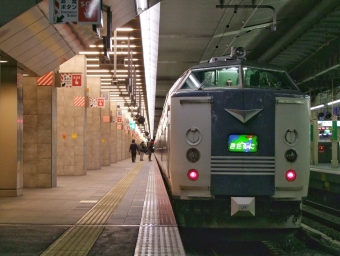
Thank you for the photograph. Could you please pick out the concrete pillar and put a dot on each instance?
(334, 162)
(11, 132)
(39, 145)
(127, 139)
(119, 139)
(105, 131)
(93, 131)
(314, 142)
(71, 122)
(113, 133)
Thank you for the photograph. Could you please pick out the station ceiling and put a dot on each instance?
(300, 35)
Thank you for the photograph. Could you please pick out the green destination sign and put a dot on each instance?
(242, 143)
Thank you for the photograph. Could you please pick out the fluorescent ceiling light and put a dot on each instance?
(98, 70)
(124, 29)
(119, 45)
(124, 38)
(3, 61)
(100, 75)
(333, 102)
(97, 52)
(317, 107)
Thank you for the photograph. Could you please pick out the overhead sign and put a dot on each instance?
(75, 11)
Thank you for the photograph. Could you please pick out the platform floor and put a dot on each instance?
(120, 209)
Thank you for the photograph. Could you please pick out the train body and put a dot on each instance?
(233, 146)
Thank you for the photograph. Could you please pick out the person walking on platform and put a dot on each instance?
(142, 150)
(150, 148)
(133, 150)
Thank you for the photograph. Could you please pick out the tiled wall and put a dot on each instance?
(93, 137)
(37, 134)
(71, 122)
(11, 141)
(113, 134)
(105, 134)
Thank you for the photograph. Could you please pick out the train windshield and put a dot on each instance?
(221, 77)
(229, 77)
(268, 79)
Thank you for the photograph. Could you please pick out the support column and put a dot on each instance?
(113, 133)
(314, 142)
(127, 140)
(119, 139)
(11, 132)
(93, 131)
(105, 132)
(39, 147)
(71, 122)
(335, 162)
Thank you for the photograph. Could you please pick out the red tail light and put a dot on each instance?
(193, 174)
(290, 175)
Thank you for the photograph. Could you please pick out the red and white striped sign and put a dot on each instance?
(106, 119)
(79, 101)
(46, 79)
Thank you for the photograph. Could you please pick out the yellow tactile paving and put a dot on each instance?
(79, 239)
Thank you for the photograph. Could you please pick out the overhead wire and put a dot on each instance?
(226, 27)
(245, 23)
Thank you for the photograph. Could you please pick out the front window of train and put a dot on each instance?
(267, 79)
(228, 77)
(207, 78)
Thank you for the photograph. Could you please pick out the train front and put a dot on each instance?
(239, 156)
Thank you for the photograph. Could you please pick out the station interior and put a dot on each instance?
(74, 94)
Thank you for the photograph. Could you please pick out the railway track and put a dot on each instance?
(323, 214)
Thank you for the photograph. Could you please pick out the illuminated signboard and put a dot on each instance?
(132, 126)
(242, 143)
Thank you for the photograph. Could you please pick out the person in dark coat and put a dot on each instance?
(133, 150)
(142, 150)
(150, 148)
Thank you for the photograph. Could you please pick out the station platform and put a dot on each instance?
(122, 209)
(325, 167)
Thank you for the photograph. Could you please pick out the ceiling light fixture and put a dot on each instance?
(124, 29)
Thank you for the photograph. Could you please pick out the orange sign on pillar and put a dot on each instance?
(76, 80)
(100, 102)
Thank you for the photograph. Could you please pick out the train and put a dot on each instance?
(233, 146)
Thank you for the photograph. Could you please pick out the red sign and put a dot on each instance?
(88, 10)
(76, 80)
(119, 119)
(100, 102)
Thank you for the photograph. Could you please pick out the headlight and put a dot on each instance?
(193, 155)
(291, 155)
